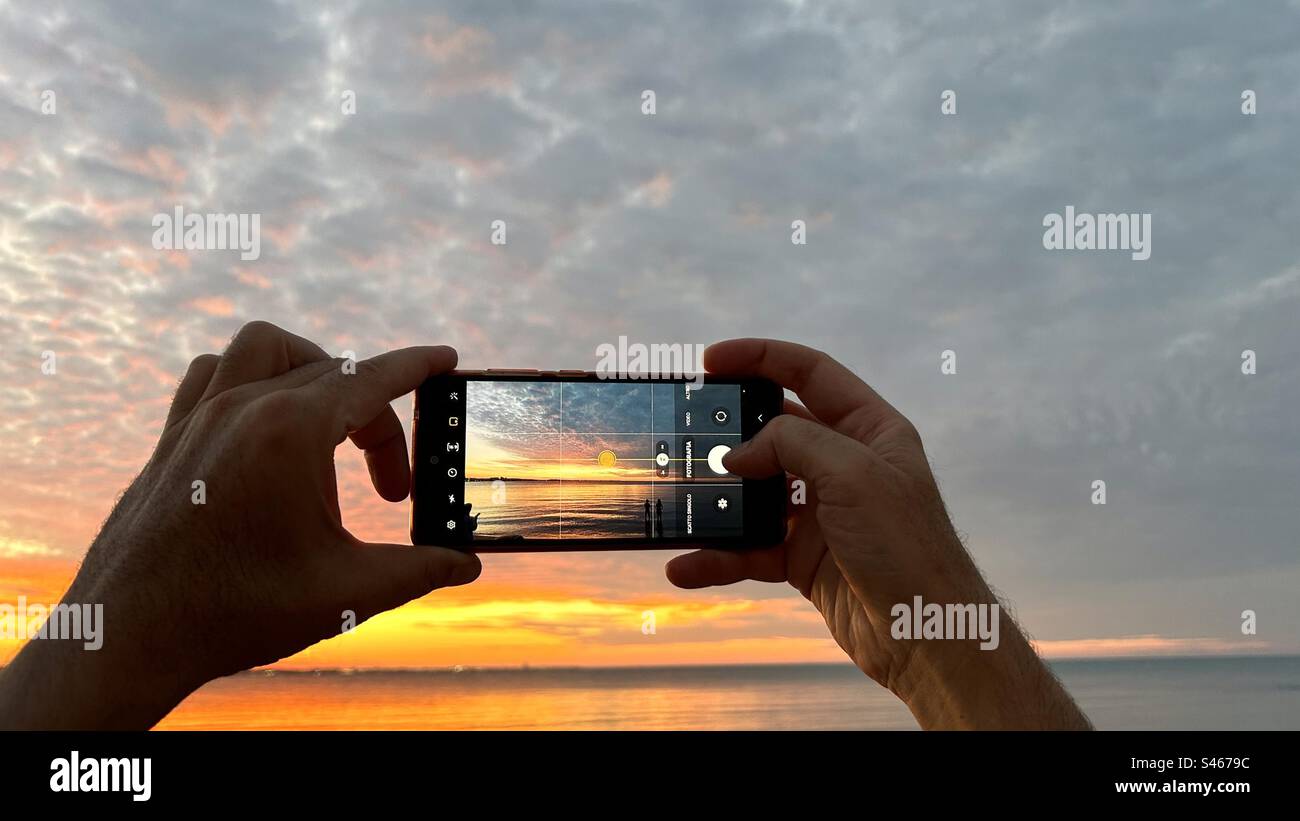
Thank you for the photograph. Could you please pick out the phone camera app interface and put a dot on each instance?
(598, 460)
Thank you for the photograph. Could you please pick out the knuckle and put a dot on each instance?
(817, 355)
(202, 362)
(807, 365)
(256, 327)
(256, 332)
(817, 358)
(222, 406)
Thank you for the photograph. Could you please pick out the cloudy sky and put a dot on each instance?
(519, 430)
(924, 234)
(535, 430)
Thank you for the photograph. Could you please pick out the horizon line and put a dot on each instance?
(516, 668)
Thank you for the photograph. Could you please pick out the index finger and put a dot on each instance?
(353, 400)
(833, 393)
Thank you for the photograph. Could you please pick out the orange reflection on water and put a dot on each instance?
(747, 697)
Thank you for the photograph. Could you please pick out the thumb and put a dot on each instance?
(791, 444)
(383, 576)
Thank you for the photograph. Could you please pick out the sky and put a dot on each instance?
(923, 235)
(518, 430)
(552, 430)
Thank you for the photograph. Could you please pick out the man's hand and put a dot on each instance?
(874, 533)
(262, 569)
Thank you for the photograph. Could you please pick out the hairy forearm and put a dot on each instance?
(57, 684)
(952, 685)
(51, 686)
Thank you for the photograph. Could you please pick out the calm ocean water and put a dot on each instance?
(1257, 693)
(574, 509)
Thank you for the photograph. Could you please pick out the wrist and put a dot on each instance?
(61, 684)
(955, 684)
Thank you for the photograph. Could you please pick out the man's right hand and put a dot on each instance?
(874, 533)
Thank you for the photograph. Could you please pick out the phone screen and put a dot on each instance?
(548, 460)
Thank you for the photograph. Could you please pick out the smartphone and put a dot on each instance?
(569, 460)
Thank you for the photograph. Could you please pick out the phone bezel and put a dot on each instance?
(763, 499)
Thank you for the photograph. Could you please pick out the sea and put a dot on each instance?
(1202, 693)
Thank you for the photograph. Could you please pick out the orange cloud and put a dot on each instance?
(1146, 645)
(655, 192)
(217, 306)
(250, 277)
(447, 43)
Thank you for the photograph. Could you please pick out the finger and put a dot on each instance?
(384, 443)
(260, 351)
(795, 561)
(805, 448)
(353, 401)
(303, 375)
(795, 409)
(832, 392)
(384, 576)
(710, 568)
(383, 440)
(191, 388)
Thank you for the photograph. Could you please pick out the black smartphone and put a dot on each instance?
(571, 460)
